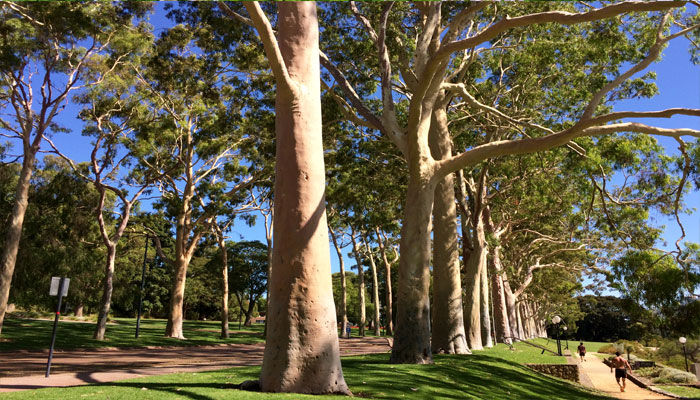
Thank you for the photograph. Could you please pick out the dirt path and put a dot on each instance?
(25, 370)
(604, 381)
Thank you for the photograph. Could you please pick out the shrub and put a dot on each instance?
(608, 349)
(651, 372)
(672, 375)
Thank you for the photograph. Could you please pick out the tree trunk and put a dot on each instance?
(412, 330)
(14, 230)
(486, 338)
(500, 314)
(108, 286)
(448, 333)
(343, 287)
(301, 353)
(375, 291)
(224, 287)
(360, 285)
(177, 298)
(249, 313)
(388, 304)
(472, 288)
(511, 309)
(79, 308)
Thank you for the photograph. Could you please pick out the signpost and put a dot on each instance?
(59, 287)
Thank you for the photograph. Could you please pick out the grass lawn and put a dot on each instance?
(522, 353)
(591, 347)
(685, 391)
(26, 334)
(479, 376)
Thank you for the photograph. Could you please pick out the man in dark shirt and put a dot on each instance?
(582, 351)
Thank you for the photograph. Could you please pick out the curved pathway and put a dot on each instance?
(604, 381)
(25, 370)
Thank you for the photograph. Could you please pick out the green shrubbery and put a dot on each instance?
(624, 347)
(665, 375)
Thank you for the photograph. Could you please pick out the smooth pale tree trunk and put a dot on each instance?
(448, 333)
(511, 309)
(412, 330)
(360, 285)
(375, 290)
(177, 298)
(224, 286)
(301, 352)
(388, 304)
(500, 313)
(343, 286)
(14, 229)
(472, 288)
(79, 309)
(107, 289)
(486, 338)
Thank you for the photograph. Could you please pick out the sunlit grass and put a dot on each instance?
(26, 334)
(478, 376)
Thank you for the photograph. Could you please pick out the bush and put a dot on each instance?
(651, 372)
(672, 375)
(609, 349)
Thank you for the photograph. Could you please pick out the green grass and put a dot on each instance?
(591, 347)
(479, 376)
(522, 353)
(26, 334)
(685, 391)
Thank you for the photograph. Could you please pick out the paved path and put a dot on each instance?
(25, 370)
(604, 381)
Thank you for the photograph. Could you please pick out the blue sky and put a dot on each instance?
(679, 86)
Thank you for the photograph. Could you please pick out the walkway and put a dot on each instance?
(604, 381)
(25, 370)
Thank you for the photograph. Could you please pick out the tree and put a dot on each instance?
(248, 274)
(301, 352)
(62, 40)
(431, 71)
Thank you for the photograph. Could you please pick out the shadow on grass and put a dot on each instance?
(455, 377)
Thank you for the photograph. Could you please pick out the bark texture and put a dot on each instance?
(224, 284)
(343, 287)
(472, 288)
(500, 314)
(375, 290)
(486, 337)
(388, 304)
(448, 333)
(301, 352)
(107, 289)
(412, 331)
(14, 230)
(360, 285)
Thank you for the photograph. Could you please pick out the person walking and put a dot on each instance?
(620, 365)
(582, 351)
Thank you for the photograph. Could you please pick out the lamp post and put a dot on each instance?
(556, 320)
(685, 356)
(566, 328)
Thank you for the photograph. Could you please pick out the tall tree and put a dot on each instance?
(301, 352)
(467, 29)
(49, 46)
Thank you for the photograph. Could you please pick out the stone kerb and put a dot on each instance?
(563, 371)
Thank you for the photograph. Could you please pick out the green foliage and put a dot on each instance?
(672, 375)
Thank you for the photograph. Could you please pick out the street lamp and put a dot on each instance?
(566, 328)
(683, 340)
(556, 320)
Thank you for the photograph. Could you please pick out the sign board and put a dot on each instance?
(55, 281)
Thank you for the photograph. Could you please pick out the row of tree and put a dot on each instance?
(473, 148)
